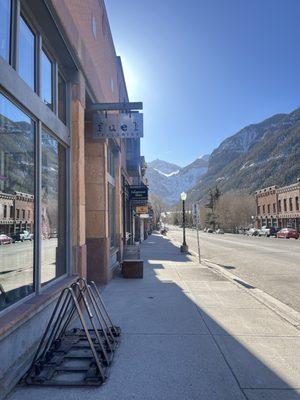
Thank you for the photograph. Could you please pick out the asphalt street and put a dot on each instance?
(16, 263)
(269, 264)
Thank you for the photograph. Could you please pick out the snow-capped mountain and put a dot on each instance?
(168, 180)
(259, 155)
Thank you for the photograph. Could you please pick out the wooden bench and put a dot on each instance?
(132, 264)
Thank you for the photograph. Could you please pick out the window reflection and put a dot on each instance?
(26, 53)
(53, 227)
(5, 10)
(46, 79)
(16, 193)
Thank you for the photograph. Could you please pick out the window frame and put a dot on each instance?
(60, 72)
(38, 128)
(42, 286)
(48, 54)
(17, 91)
(37, 55)
(18, 211)
(41, 44)
(10, 33)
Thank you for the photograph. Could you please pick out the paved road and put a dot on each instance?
(270, 264)
(16, 263)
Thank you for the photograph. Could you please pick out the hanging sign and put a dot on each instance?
(122, 126)
(141, 209)
(138, 193)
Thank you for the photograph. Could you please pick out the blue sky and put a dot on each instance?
(206, 68)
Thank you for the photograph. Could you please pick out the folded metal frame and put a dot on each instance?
(69, 355)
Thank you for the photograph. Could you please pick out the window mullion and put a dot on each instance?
(14, 33)
(38, 51)
(37, 230)
(54, 86)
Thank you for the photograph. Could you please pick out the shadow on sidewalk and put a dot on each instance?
(190, 334)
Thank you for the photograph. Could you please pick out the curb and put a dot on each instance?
(285, 312)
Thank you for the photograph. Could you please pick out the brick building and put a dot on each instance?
(288, 201)
(279, 206)
(6, 212)
(16, 212)
(57, 60)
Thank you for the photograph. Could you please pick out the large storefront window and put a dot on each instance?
(53, 206)
(5, 11)
(16, 195)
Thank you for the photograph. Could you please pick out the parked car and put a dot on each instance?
(268, 231)
(220, 231)
(21, 236)
(209, 230)
(288, 233)
(252, 232)
(274, 231)
(4, 239)
(16, 237)
(26, 235)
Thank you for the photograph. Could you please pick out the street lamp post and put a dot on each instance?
(184, 248)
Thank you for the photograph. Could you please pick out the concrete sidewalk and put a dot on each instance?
(190, 334)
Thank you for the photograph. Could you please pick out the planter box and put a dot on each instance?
(132, 269)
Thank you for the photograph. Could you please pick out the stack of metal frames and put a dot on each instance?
(72, 355)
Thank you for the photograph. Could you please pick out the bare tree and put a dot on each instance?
(158, 206)
(234, 210)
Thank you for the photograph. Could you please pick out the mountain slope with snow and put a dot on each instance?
(168, 180)
(259, 155)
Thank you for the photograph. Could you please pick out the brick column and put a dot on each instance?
(96, 208)
(78, 179)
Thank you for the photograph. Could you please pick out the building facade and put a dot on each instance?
(16, 212)
(279, 206)
(57, 59)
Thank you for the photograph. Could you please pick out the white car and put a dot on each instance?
(26, 235)
(252, 232)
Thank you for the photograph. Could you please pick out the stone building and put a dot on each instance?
(57, 60)
(279, 206)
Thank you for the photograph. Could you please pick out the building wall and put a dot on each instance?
(19, 214)
(266, 204)
(95, 53)
(78, 36)
(289, 195)
(286, 201)
(6, 222)
(25, 203)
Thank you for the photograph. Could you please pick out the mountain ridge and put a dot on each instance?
(259, 155)
(168, 180)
